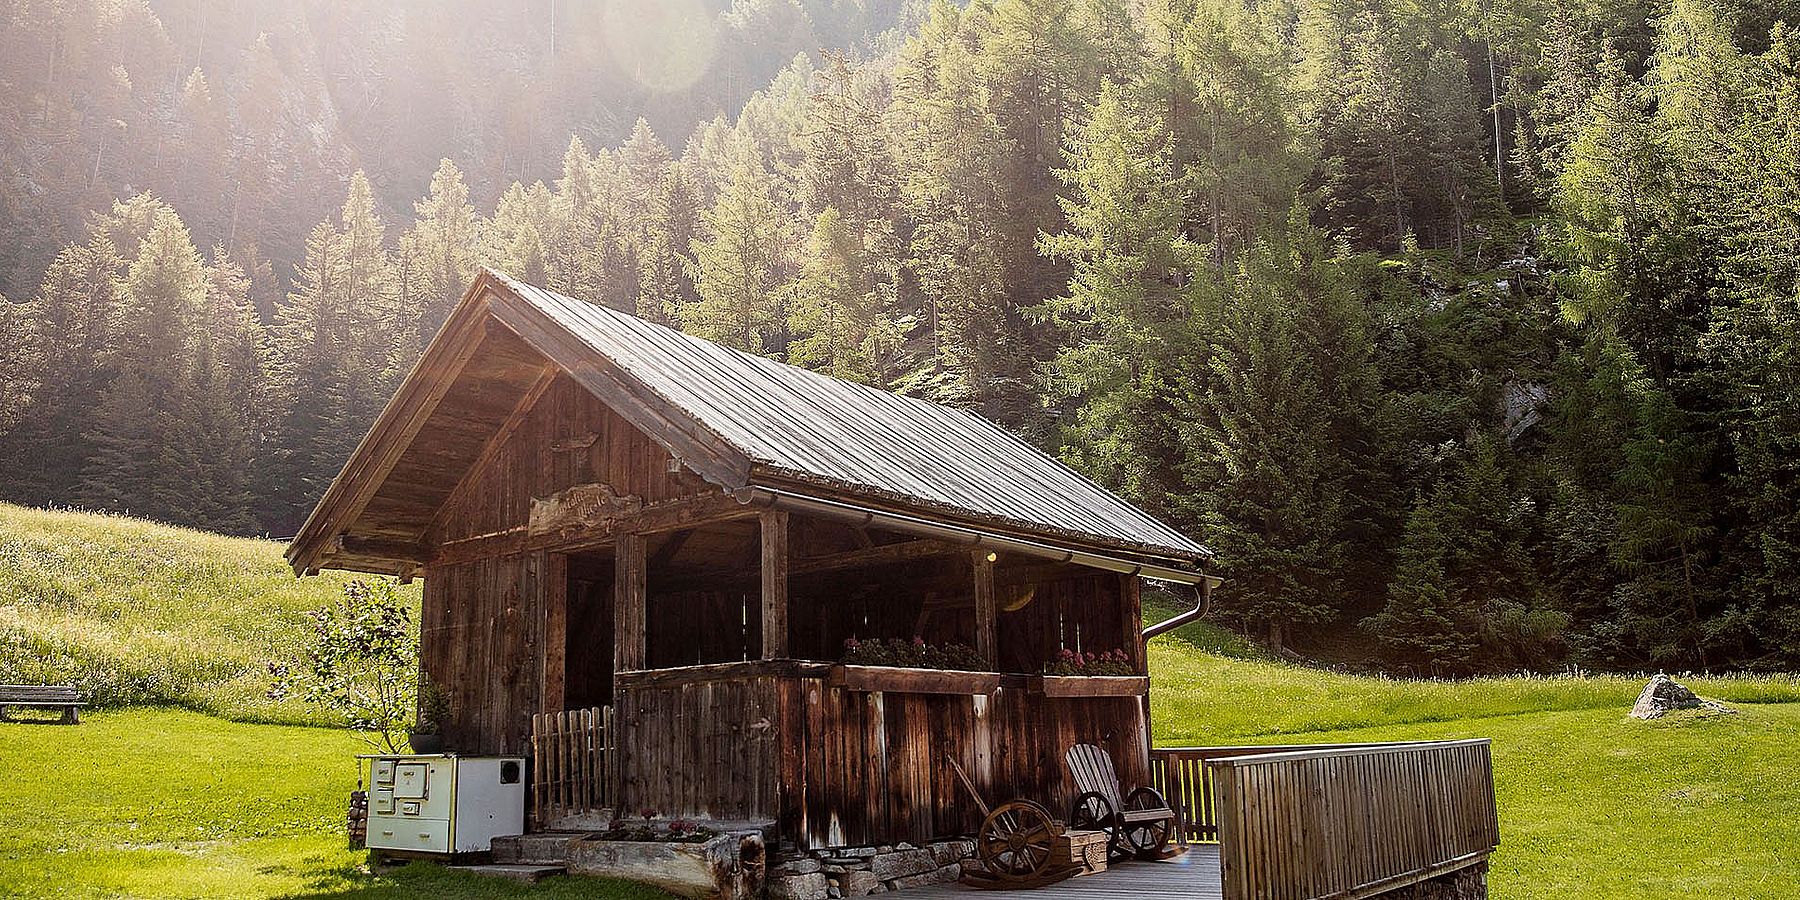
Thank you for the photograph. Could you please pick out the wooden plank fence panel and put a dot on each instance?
(1348, 821)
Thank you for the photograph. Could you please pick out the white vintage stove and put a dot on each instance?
(444, 804)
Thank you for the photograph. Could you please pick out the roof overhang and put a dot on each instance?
(973, 537)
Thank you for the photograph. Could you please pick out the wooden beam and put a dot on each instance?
(670, 547)
(554, 588)
(774, 530)
(1131, 612)
(656, 518)
(813, 565)
(982, 561)
(628, 603)
(527, 401)
(351, 545)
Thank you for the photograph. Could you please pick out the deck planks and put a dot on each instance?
(1193, 875)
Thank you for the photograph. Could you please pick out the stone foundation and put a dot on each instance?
(860, 871)
(1468, 883)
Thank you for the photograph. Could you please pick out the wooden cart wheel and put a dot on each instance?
(1147, 838)
(1093, 812)
(1015, 840)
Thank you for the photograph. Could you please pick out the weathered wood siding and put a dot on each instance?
(569, 438)
(839, 767)
(480, 628)
(705, 748)
(874, 766)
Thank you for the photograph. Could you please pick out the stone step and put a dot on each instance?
(545, 849)
(528, 874)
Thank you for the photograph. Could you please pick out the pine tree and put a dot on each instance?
(1221, 89)
(1277, 430)
(515, 236)
(950, 189)
(740, 258)
(136, 431)
(63, 358)
(836, 310)
(1127, 314)
(1420, 626)
(439, 251)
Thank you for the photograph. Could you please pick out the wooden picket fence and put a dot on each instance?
(572, 763)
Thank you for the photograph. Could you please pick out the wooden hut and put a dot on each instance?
(608, 513)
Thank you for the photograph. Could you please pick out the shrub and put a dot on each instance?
(362, 663)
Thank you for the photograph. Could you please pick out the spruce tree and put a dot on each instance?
(740, 257)
(1126, 315)
(62, 362)
(439, 251)
(137, 429)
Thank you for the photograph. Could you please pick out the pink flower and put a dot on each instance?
(918, 641)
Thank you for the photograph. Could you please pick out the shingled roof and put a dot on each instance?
(745, 421)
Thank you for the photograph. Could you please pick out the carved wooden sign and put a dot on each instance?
(584, 507)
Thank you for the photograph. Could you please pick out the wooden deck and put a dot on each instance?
(1193, 875)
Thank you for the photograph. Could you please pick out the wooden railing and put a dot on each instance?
(572, 763)
(1181, 775)
(1296, 823)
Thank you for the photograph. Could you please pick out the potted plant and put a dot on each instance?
(426, 734)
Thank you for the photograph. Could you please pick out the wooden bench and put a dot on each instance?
(42, 696)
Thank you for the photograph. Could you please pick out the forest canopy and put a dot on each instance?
(1467, 334)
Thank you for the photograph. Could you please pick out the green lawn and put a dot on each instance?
(1593, 804)
(172, 803)
(207, 801)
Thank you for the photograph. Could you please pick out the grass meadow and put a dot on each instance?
(187, 782)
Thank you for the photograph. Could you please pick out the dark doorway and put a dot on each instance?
(589, 654)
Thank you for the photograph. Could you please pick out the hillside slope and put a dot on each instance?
(139, 613)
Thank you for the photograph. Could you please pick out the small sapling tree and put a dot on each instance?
(361, 662)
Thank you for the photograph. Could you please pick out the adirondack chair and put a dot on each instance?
(1138, 824)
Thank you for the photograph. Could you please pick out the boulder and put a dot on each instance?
(952, 851)
(802, 865)
(902, 863)
(810, 886)
(1664, 694)
(942, 875)
(857, 884)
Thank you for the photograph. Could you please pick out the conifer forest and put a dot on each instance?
(1466, 332)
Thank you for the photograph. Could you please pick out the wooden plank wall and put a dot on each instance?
(845, 768)
(873, 767)
(702, 748)
(1355, 821)
(569, 438)
(479, 640)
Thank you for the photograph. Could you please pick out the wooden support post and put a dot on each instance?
(628, 603)
(1131, 626)
(986, 610)
(774, 584)
(554, 590)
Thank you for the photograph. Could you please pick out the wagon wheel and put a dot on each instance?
(1015, 839)
(1093, 812)
(1147, 838)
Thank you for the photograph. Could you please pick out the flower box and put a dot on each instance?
(1091, 685)
(898, 680)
